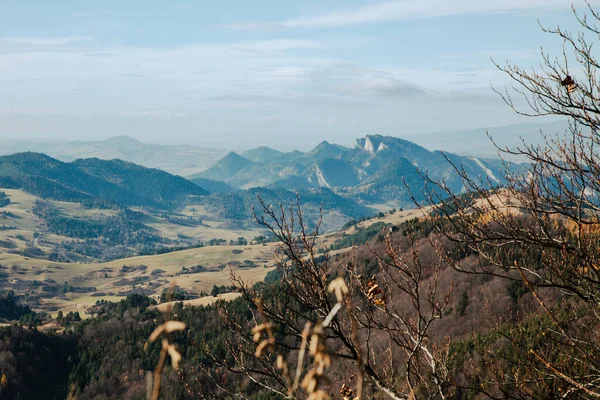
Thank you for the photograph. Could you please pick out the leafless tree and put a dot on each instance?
(543, 227)
(371, 332)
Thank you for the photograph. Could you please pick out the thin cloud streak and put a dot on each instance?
(58, 41)
(277, 45)
(404, 10)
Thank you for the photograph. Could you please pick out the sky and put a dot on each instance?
(285, 73)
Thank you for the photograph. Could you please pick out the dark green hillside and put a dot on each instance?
(11, 308)
(150, 183)
(94, 180)
(334, 202)
(238, 205)
(46, 177)
(35, 365)
(4, 199)
(212, 185)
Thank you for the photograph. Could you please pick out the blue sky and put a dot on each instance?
(235, 74)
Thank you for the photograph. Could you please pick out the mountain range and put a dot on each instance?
(377, 169)
(188, 160)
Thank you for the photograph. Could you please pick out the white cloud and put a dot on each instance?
(229, 91)
(92, 13)
(82, 79)
(252, 26)
(58, 41)
(180, 79)
(277, 45)
(354, 80)
(407, 9)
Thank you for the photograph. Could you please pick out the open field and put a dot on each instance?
(89, 280)
(396, 218)
(208, 230)
(23, 223)
(202, 301)
(113, 280)
(23, 229)
(151, 274)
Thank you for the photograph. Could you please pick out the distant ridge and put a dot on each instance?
(323, 151)
(151, 183)
(262, 154)
(212, 185)
(177, 159)
(113, 181)
(119, 141)
(226, 167)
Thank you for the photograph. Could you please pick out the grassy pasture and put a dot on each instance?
(111, 280)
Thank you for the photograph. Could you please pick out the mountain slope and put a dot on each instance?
(114, 181)
(212, 186)
(49, 178)
(260, 175)
(150, 183)
(394, 162)
(323, 151)
(293, 182)
(226, 167)
(389, 183)
(239, 205)
(262, 154)
(332, 172)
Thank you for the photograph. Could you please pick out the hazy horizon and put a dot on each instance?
(521, 129)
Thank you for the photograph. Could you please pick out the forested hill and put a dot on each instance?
(95, 180)
(150, 183)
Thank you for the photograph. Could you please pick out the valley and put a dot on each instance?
(41, 281)
(28, 250)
